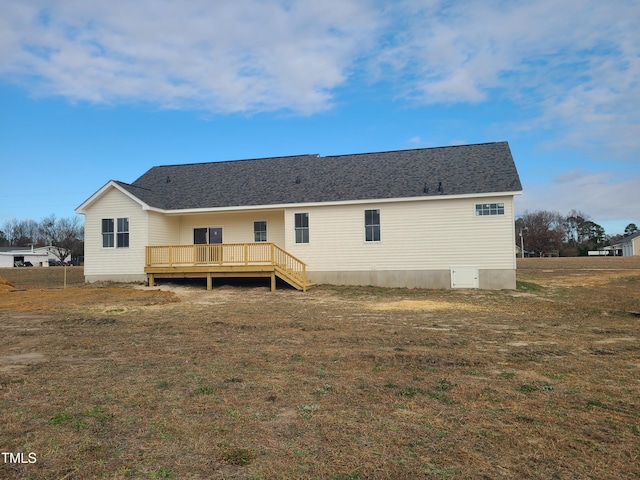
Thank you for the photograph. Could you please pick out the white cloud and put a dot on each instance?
(221, 56)
(602, 195)
(574, 66)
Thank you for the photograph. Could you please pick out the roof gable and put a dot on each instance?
(632, 236)
(126, 189)
(457, 170)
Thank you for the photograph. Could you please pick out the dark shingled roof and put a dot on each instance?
(428, 172)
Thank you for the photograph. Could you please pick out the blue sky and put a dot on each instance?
(93, 91)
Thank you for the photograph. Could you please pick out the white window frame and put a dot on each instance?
(302, 229)
(489, 209)
(116, 234)
(123, 232)
(106, 234)
(373, 227)
(260, 232)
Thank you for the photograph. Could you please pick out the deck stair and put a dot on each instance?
(260, 259)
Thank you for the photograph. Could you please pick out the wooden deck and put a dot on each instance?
(225, 260)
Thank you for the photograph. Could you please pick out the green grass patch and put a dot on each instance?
(528, 287)
(61, 418)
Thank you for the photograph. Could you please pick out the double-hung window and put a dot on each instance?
(372, 225)
(302, 227)
(123, 233)
(260, 231)
(115, 233)
(107, 233)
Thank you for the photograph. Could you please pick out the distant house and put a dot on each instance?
(629, 245)
(431, 218)
(19, 256)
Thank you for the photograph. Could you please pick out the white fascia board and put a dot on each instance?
(110, 184)
(283, 206)
(23, 253)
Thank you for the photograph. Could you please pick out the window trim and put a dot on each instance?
(115, 237)
(373, 226)
(108, 234)
(256, 232)
(302, 228)
(489, 209)
(123, 233)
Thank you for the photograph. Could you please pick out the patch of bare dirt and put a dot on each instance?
(13, 363)
(105, 299)
(423, 305)
(585, 278)
(5, 285)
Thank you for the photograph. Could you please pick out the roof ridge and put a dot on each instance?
(238, 160)
(317, 155)
(132, 185)
(414, 149)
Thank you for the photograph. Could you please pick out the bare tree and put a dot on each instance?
(63, 234)
(21, 233)
(542, 231)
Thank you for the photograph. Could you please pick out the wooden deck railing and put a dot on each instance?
(224, 254)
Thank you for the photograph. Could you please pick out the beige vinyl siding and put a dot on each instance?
(163, 229)
(424, 235)
(115, 261)
(237, 227)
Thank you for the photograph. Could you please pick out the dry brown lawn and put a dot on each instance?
(124, 382)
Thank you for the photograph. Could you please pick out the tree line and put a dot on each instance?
(64, 235)
(544, 232)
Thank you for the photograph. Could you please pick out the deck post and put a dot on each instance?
(151, 280)
(209, 281)
(273, 281)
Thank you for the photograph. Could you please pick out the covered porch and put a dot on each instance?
(258, 259)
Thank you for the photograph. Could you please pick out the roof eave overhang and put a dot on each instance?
(244, 208)
(82, 209)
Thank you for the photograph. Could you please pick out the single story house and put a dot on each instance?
(429, 218)
(18, 256)
(629, 245)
